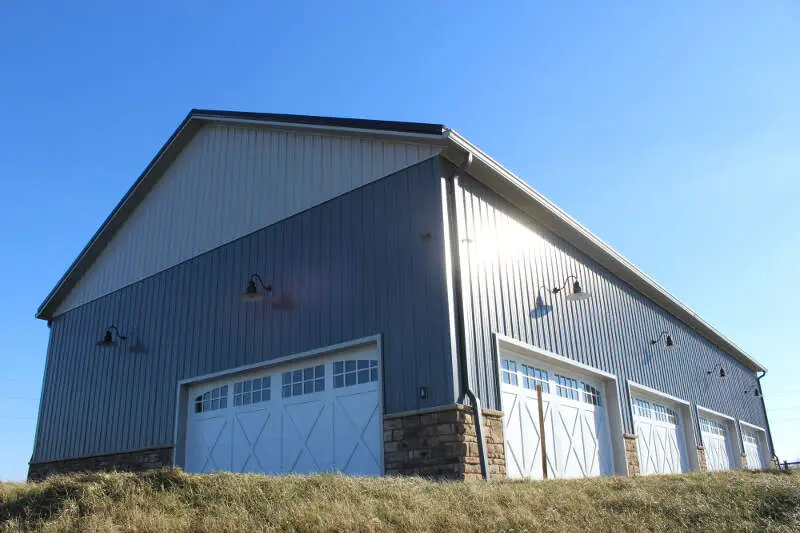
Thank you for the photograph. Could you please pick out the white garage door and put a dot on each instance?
(661, 443)
(717, 443)
(575, 421)
(318, 415)
(752, 449)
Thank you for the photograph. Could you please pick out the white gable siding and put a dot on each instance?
(228, 182)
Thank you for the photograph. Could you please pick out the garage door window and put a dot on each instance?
(655, 411)
(212, 400)
(304, 381)
(532, 376)
(590, 394)
(642, 408)
(251, 391)
(574, 389)
(509, 372)
(354, 372)
(750, 438)
(665, 414)
(712, 426)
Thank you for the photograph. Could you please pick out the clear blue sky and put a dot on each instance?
(671, 129)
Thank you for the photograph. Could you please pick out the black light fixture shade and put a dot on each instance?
(251, 294)
(577, 294)
(721, 374)
(669, 344)
(108, 338)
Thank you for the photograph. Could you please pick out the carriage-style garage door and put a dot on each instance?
(717, 442)
(314, 415)
(660, 435)
(753, 440)
(575, 421)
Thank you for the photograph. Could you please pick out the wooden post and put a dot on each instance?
(542, 440)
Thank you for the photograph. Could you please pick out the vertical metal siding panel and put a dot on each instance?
(423, 344)
(471, 276)
(152, 307)
(90, 353)
(75, 390)
(93, 375)
(485, 300)
(45, 433)
(55, 389)
(106, 317)
(43, 400)
(61, 398)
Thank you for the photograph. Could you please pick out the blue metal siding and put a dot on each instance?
(352, 267)
(610, 331)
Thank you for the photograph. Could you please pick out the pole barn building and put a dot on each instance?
(283, 293)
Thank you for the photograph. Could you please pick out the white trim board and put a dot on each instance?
(717, 414)
(551, 356)
(647, 390)
(748, 425)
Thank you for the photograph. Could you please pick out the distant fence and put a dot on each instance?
(789, 466)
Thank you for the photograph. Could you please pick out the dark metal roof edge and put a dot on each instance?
(79, 266)
(312, 120)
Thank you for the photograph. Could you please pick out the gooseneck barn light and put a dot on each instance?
(669, 344)
(108, 338)
(577, 293)
(721, 374)
(540, 309)
(251, 294)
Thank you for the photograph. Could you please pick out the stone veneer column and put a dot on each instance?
(744, 461)
(631, 454)
(701, 458)
(442, 443)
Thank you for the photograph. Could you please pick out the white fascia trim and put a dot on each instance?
(464, 145)
(550, 356)
(654, 392)
(752, 426)
(402, 136)
(716, 414)
(316, 352)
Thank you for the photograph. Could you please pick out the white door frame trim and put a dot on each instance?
(179, 436)
(752, 426)
(615, 426)
(689, 434)
(648, 390)
(735, 438)
(717, 414)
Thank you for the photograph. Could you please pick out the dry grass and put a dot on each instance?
(170, 500)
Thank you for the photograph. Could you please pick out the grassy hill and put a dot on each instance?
(169, 500)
